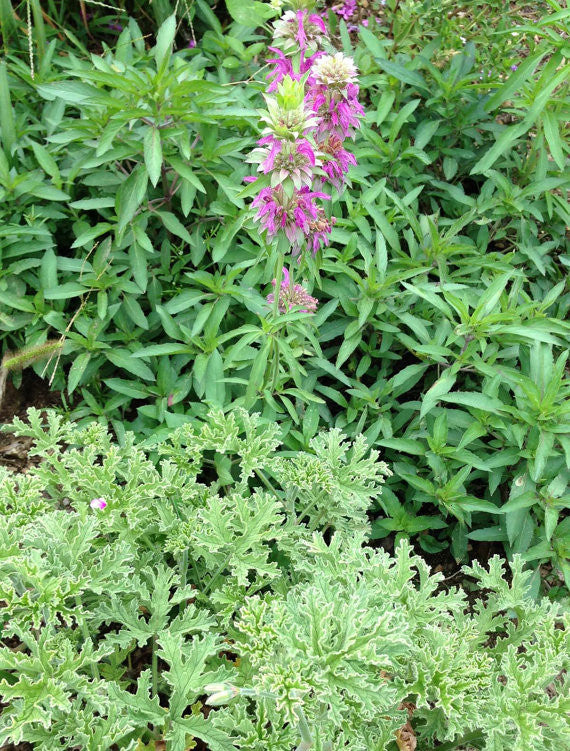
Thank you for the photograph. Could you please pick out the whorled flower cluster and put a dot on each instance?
(292, 295)
(312, 108)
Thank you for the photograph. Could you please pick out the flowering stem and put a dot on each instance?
(277, 295)
(278, 280)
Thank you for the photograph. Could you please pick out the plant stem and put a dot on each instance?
(267, 483)
(476, 735)
(154, 667)
(183, 568)
(278, 280)
(86, 636)
(210, 584)
(275, 347)
(306, 737)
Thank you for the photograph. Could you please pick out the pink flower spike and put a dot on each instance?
(98, 504)
(292, 296)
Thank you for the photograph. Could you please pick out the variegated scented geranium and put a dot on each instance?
(227, 572)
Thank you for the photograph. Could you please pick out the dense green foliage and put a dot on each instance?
(210, 572)
(193, 560)
(443, 328)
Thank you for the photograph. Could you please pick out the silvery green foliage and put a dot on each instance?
(219, 562)
(362, 632)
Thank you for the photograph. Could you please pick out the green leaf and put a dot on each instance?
(520, 530)
(509, 135)
(553, 137)
(542, 454)
(197, 726)
(130, 196)
(384, 106)
(419, 482)
(174, 225)
(513, 83)
(87, 237)
(411, 77)
(139, 265)
(122, 358)
(47, 162)
(215, 388)
(7, 123)
(407, 445)
(87, 204)
(488, 534)
(17, 302)
(255, 381)
(516, 502)
(437, 391)
(383, 225)
(347, 348)
(425, 132)
(134, 311)
(185, 172)
(475, 400)
(478, 505)
(76, 371)
(73, 92)
(129, 388)
(550, 521)
(490, 298)
(249, 13)
(49, 193)
(187, 665)
(158, 350)
(164, 42)
(64, 291)
(153, 154)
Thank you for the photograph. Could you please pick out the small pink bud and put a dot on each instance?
(98, 503)
(170, 400)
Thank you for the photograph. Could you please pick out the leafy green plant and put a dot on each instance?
(123, 613)
(444, 300)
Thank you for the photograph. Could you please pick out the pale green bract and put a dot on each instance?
(220, 562)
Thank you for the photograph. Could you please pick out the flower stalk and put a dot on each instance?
(312, 107)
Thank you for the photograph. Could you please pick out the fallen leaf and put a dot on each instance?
(406, 738)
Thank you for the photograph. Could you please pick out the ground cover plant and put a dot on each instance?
(137, 594)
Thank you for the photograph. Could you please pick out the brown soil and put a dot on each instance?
(33, 392)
